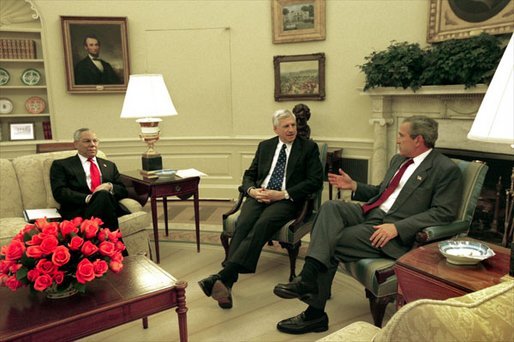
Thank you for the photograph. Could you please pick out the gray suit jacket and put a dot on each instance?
(431, 196)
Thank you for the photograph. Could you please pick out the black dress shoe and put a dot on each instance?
(300, 325)
(207, 284)
(222, 294)
(296, 289)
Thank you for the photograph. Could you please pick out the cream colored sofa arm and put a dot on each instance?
(358, 331)
(132, 205)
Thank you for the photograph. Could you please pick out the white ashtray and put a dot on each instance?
(463, 252)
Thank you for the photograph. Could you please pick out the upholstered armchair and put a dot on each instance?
(485, 315)
(290, 235)
(377, 275)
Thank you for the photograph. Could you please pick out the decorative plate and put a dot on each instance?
(462, 252)
(35, 105)
(4, 77)
(31, 77)
(6, 106)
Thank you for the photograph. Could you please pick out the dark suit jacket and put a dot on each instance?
(304, 173)
(431, 196)
(86, 72)
(69, 185)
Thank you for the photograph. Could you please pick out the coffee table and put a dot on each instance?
(141, 188)
(140, 290)
(425, 273)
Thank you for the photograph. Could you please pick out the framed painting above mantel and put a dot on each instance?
(298, 20)
(458, 19)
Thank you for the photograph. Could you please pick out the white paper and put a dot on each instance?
(190, 173)
(33, 214)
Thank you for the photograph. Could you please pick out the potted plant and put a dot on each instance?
(466, 61)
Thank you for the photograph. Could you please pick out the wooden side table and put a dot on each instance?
(141, 188)
(425, 273)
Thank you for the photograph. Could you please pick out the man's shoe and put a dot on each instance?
(222, 294)
(300, 325)
(207, 284)
(296, 289)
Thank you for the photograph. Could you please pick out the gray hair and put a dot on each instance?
(78, 132)
(424, 126)
(281, 114)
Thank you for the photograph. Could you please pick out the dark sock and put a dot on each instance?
(313, 313)
(310, 270)
(229, 274)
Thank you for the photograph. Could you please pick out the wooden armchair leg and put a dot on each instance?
(225, 242)
(377, 306)
(292, 251)
(145, 322)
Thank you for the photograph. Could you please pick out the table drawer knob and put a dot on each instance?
(178, 188)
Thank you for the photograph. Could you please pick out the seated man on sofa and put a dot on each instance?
(85, 185)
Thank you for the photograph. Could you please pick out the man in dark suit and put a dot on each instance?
(429, 192)
(92, 69)
(286, 169)
(71, 180)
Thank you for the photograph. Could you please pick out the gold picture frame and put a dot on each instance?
(298, 20)
(300, 77)
(104, 70)
(457, 19)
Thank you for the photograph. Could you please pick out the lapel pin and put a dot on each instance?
(104, 165)
(419, 178)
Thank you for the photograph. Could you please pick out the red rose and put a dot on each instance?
(5, 265)
(89, 228)
(12, 283)
(88, 248)
(75, 243)
(35, 240)
(34, 252)
(61, 256)
(115, 266)
(107, 248)
(66, 227)
(45, 266)
(42, 282)
(120, 246)
(14, 250)
(85, 271)
(77, 220)
(14, 268)
(49, 228)
(33, 274)
(100, 267)
(49, 244)
(58, 277)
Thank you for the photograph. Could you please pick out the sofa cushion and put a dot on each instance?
(10, 226)
(10, 198)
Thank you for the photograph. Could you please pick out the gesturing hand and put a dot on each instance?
(342, 181)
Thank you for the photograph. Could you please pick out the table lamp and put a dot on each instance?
(494, 123)
(148, 99)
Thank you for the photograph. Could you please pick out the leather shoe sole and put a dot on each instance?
(208, 283)
(300, 325)
(296, 289)
(222, 294)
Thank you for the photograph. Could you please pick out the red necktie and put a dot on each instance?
(389, 190)
(95, 174)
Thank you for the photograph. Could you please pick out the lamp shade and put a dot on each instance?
(494, 121)
(146, 97)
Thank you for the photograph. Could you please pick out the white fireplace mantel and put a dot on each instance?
(453, 106)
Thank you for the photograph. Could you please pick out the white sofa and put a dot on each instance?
(25, 184)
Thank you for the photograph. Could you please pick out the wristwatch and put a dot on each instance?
(286, 195)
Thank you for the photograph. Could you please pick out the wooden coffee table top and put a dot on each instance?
(429, 261)
(136, 292)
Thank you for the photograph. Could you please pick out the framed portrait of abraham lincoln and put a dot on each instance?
(95, 54)
(457, 19)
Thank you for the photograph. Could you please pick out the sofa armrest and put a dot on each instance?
(435, 233)
(131, 205)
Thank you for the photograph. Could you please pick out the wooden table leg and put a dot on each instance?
(197, 220)
(153, 202)
(182, 310)
(165, 207)
(145, 323)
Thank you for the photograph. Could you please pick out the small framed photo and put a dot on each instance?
(456, 19)
(21, 131)
(299, 77)
(96, 54)
(298, 20)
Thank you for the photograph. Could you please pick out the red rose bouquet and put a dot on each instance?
(54, 256)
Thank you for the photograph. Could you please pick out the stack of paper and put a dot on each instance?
(190, 173)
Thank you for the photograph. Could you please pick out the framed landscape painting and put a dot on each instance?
(95, 54)
(300, 77)
(456, 19)
(298, 20)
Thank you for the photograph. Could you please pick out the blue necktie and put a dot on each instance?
(277, 177)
